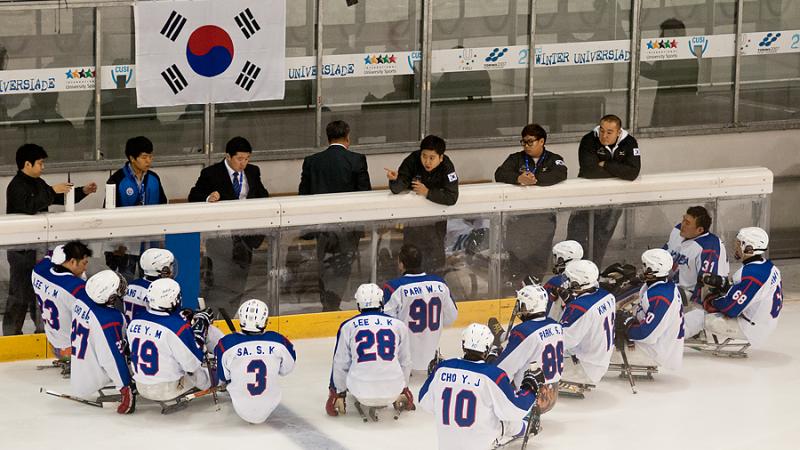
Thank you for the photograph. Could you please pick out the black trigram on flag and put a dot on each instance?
(174, 79)
(173, 26)
(247, 23)
(248, 76)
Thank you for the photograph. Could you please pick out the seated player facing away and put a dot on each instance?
(56, 282)
(372, 358)
(249, 362)
(563, 252)
(656, 325)
(156, 263)
(750, 307)
(422, 301)
(537, 339)
(588, 323)
(166, 350)
(474, 403)
(98, 341)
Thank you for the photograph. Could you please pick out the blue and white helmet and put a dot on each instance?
(532, 299)
(164, 295)
(369, 296)
(477, 337)
(253, 315)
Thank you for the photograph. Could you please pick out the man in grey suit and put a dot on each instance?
(335, 169)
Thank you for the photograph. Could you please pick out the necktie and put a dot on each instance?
(237, 186)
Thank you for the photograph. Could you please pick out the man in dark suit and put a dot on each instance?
(336, 169)
(230, 258)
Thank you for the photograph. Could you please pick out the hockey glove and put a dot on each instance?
(494, 352)
(563, 293)
(533, 378)
(715, 281)
(437, 358)
(336, 403)
(405, 402)
(128, 401)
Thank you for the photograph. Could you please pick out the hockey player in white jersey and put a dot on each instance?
(156, 263)
(423, 302)
(656, 324)
(695, 252)
(750, 306)
(250, 361)
(537, 339)
(474, 404)
(98, 341)
(166, 350)
(56, 282)
(588, 323)
(372, 358)
(563, 253)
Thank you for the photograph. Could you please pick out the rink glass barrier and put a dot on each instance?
(474, 72)
(308, 254)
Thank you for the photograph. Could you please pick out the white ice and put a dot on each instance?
(712, 403)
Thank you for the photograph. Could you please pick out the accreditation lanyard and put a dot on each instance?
(140, 188)
(536, 166)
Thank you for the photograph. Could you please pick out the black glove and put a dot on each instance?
(201, 320)
(533, 378)
(613, 268)
(603, 154)
(494, 352)
(564, 294)
(715, 281)
(624, 321)
(434, 363)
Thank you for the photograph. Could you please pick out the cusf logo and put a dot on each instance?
(380, 59)
(122, 76)
(496, 54)
(698, 46)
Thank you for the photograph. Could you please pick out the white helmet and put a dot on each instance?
(369, 296)
(253, 315)
(755, 238)
(532, 299)
(582, 274)
(58, 257)
(657, 262)
(477, 337)
(564, 252)
(157, 262)
(164, 294)
(106, 287)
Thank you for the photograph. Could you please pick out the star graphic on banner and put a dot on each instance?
(674, 43)
(75, 74)
(393, 59)
(69, 74)
(94, 73)
(650, 45)
(374, 60)
(385, 59)
(367, 60)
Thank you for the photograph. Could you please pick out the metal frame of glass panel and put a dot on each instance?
(425, 95)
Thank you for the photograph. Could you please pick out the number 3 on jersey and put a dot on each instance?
(424, 316)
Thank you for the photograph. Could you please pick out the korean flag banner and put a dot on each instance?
(209, 51)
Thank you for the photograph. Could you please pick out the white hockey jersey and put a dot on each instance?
(658, 330)
(424, 303)
(135, 299)
(693, 257)
(538, 340)
(98, 339)
(588, 323)
(372, 358)
(249, 364)
(470, 400)
(55, 290)
(756, 299)
(162, 348)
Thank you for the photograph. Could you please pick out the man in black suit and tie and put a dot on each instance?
(233, 178)
(336, 169)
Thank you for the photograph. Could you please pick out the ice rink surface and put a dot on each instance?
(712, 403)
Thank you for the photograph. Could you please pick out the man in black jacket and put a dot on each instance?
(335, 169)
(430, 173)
(233, 178)
(28, 193)
(608, 151)
(528, 237)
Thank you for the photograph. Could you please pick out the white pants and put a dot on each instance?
(170, 390)
(574, 373)
(716, 324)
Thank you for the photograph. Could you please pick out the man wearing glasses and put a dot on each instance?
(533, 166)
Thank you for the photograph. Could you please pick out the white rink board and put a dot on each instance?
(753, 401)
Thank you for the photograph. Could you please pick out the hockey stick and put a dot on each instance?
(198, 394)
(534, 425)
(627, 366)
(75, 399)
(514, 313)
(227, 318)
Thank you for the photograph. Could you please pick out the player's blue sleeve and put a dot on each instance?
(659, 305)
(515, 338)
(112, 331)
(219, 350)
(523, 399)
(426, 385)
(572, 314)
(738, 296)
(186, 336)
